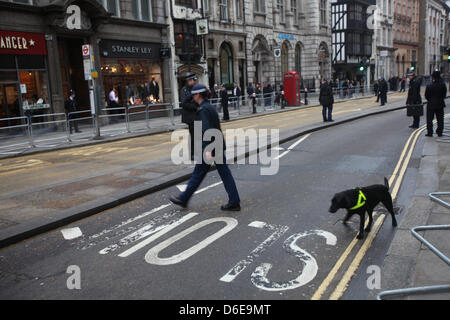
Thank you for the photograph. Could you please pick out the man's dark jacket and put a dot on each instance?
(436, 94)
(414, 92)
(188, 106)
(326, 95)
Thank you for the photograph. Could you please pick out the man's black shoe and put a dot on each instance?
(413, 127)
(231, 207)
(428, 135)
(440, 135)
(178, 202)
(330, 120)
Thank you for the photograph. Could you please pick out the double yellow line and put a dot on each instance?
(395, 181)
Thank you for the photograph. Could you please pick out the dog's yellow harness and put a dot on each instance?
(361, 201)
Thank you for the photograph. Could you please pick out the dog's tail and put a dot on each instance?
(386, 183)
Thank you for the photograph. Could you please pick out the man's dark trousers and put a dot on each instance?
(416, 121)
(440, 120)
(200, 171)
(324, 112)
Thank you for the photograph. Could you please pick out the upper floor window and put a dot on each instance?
(259, 6)
(142, 10)
(187, 3)
(323, 11)
(223, 4)
(112, 6)
(239, 9)
(280, 6)
(294, 10)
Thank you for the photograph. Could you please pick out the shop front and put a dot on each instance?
(133, 70)
(24, 86)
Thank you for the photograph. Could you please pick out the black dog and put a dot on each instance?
(360, 200)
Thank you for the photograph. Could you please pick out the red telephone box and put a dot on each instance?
(292, 82)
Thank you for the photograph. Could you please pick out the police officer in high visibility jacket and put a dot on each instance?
(207, 115)
(189, 107)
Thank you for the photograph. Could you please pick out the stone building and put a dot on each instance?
(384, 39)
(406, 35)
(245, 34)
(431, 35)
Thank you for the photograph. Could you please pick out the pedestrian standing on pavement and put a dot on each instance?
(383, 91)
(224, 103)
(209, 119)
(70, 105)
(414, 97)
(236, 96)
(435, 95)
(189, 107)
(376, 90)
(326, 99)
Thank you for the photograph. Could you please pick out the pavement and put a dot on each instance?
(48, 190)
(408, 262)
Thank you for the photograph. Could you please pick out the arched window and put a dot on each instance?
(284, 58)
(226, 63)
(298, 58)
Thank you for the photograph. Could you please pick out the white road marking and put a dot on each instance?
(293, 146)
(143, 232)
(71, 233)
(155, 236)
(152, 254)
(145, 214)
(310, 267)
(241, 265)
(182, 187)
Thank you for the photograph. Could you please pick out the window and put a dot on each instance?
(239, 9)
(187, 3)
(223, 4)
(294, 11)
(23, 1)
(226, 64)
(298, 59)
(112, 6)
(210, 44)
(142, 10)
(259, 6)
(284, 58)
(241, 46)
(323, 11)
(280, 6)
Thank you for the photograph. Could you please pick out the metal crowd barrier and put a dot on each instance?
(20, 147)
(62, 138)
(73, 117)
(136, 112)
(414, 231)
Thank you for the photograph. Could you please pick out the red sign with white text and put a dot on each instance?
(12, 42)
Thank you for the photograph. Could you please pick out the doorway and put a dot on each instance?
(9, 103)
(72, 70)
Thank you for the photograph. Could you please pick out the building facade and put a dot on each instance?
(245, 36)
(406, 36)
(384, 39)
(431, 35)
(352, 40)
(41, 52)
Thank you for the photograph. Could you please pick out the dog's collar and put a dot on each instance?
(361, 201)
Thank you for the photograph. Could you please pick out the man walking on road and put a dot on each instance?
(209, 118)
(414, 97)
(326, 99)
(435, 95)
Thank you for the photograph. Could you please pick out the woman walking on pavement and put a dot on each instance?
(209, 118)
(435, 95)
